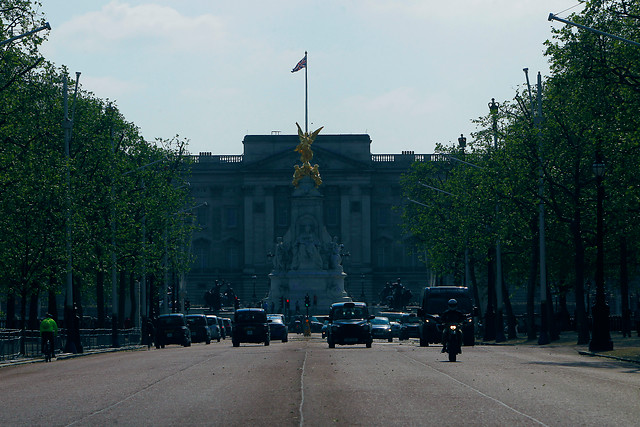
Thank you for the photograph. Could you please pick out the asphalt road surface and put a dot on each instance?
(305, 383)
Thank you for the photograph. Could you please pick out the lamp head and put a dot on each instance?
(462, 141)
(493, 106)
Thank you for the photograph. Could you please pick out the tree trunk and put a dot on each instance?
(153, 307)
(52, 305)
(34, 324)
(531, 290)
(490, 315)
(23, 309)
(100, 276)
(122, 295)
(563, 311)
(133, 298)
(511, 318)
(474, 283)
(11, 310)
(554, 331)
(582, 324)
(624, 288)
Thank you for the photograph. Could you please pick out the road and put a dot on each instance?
(305, 383)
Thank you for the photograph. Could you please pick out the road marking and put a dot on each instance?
(477, 391)
(140, 391)
(304, 364)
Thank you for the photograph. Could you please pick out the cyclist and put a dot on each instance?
(48, 331)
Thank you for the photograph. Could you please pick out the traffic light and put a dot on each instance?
(287, 303)
(236, 303)
(307, 301)
(187, 305)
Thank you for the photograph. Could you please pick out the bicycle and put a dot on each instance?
(48, 350)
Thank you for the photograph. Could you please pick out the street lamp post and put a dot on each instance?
(600, 338)
(254, 287)
(74, 344)
(46, 26)
(462, 142)
(493, 109)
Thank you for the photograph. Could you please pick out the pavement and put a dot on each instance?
(624, 348)
(63, 356)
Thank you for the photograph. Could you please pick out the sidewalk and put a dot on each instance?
(63, 356)
(624, 348)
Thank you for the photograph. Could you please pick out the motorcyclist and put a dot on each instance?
(450, 315)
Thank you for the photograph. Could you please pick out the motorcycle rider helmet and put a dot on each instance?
(452, 304)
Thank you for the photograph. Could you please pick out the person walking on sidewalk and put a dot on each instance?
(48, 331)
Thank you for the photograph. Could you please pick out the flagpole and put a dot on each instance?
(306, 95)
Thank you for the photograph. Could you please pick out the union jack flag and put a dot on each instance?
(302, 64)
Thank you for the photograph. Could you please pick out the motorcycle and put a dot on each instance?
(454, 340)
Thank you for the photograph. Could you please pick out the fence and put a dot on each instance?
(15, 343)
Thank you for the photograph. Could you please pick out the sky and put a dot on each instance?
(409, 73)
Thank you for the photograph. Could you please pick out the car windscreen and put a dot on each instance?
(250, 317)
(198, 321)
(170, 321)
(380, 321)
(347, 312)
(436, 304)
(410, 319)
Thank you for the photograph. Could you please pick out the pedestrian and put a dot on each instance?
(48, 331)
(149, 335)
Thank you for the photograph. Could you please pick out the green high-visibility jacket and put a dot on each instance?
(48, 325)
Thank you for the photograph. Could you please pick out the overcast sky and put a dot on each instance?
(410, 73)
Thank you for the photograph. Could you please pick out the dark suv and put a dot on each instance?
(250, 325)
(199, 328)
(434, 303)
(349, 323)
(172, 329)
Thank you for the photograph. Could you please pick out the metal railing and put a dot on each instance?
(16, 343)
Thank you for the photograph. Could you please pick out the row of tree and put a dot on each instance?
(61, 210)
(486, 195)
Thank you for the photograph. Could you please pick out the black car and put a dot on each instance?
(277, 328)
(250, 325)
(410, 326)
(349, 323)
(199, 328)
(394, 318)
(228, 329)
(223, 328)
(381, 328)
(172, 329)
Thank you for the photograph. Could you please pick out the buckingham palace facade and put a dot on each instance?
(248, 207)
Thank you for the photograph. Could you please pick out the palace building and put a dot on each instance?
(250, 207)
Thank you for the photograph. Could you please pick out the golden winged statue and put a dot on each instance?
(304, 148)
